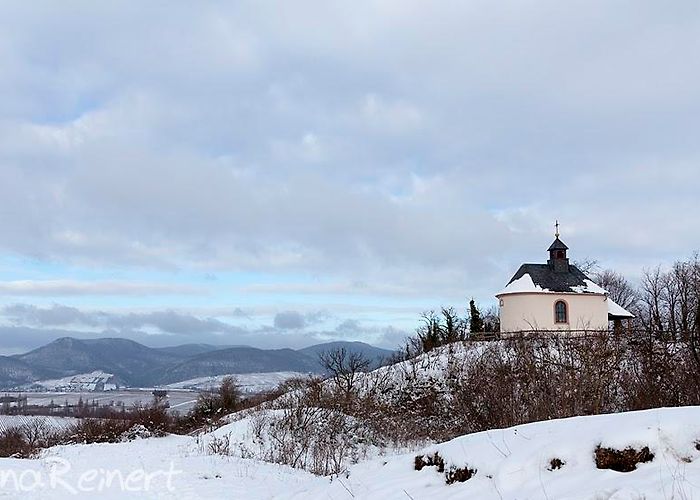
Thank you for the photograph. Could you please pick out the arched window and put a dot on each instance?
(560, 314)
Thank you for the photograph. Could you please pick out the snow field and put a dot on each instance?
(510, 463)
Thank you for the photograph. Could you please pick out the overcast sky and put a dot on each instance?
(283, 173)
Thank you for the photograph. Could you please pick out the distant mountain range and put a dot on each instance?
(140, 366)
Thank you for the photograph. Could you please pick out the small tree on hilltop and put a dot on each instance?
(343, 366)
(430, 331)
(492, 322)
(211, 406)
(454, 327)
(229, 394)
(476, 324)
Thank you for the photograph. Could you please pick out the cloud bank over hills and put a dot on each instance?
(162, 159)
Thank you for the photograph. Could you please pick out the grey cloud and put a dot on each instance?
(54, 288)
(172, 322)
(317, 317)
(57, 315)
(19, 339)
(289, 320)
(351, 326)
(281, 137)
(240, 313)
(167, 321)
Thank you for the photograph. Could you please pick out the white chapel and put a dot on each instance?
(556, 296)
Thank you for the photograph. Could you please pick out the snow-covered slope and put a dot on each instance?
(516, 463)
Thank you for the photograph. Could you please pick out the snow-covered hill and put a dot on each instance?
(508, 464)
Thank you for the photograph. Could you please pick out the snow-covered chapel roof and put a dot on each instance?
(542, 278)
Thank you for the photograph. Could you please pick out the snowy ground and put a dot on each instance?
(510, 464)
(150, 468)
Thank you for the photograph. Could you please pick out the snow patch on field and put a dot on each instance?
(252, 383)
(82, 382)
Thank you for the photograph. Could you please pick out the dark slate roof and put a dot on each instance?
(557, 244)
(544, 276)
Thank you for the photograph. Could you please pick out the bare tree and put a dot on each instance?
(229, 394)
(492, 320)
(682, 278)
(344, 367)
(620, 290)
(454, 328)
(670, 301)
(430, 331)
(652, 299)
(587, 265)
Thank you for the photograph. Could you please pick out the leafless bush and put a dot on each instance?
(220, 445)
(556, 463)
(320, 440)
(434, 460)
(459, 474)
(621, 460)
(92, 430)
(26, 440)
(13, 443)
(211, 408)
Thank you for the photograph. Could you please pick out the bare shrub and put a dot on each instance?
(155, 418)
(14, 444)
(343, 367)
(320, 440)
(453, 475)
(212, 407)
(220, 445)
(556, 463)
(459, 474)
(229, 394)
(434, 460)
(92, 430)
(621, 460)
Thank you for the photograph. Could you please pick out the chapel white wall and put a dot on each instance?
(535, 311)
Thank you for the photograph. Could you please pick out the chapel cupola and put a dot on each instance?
(558, 260)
